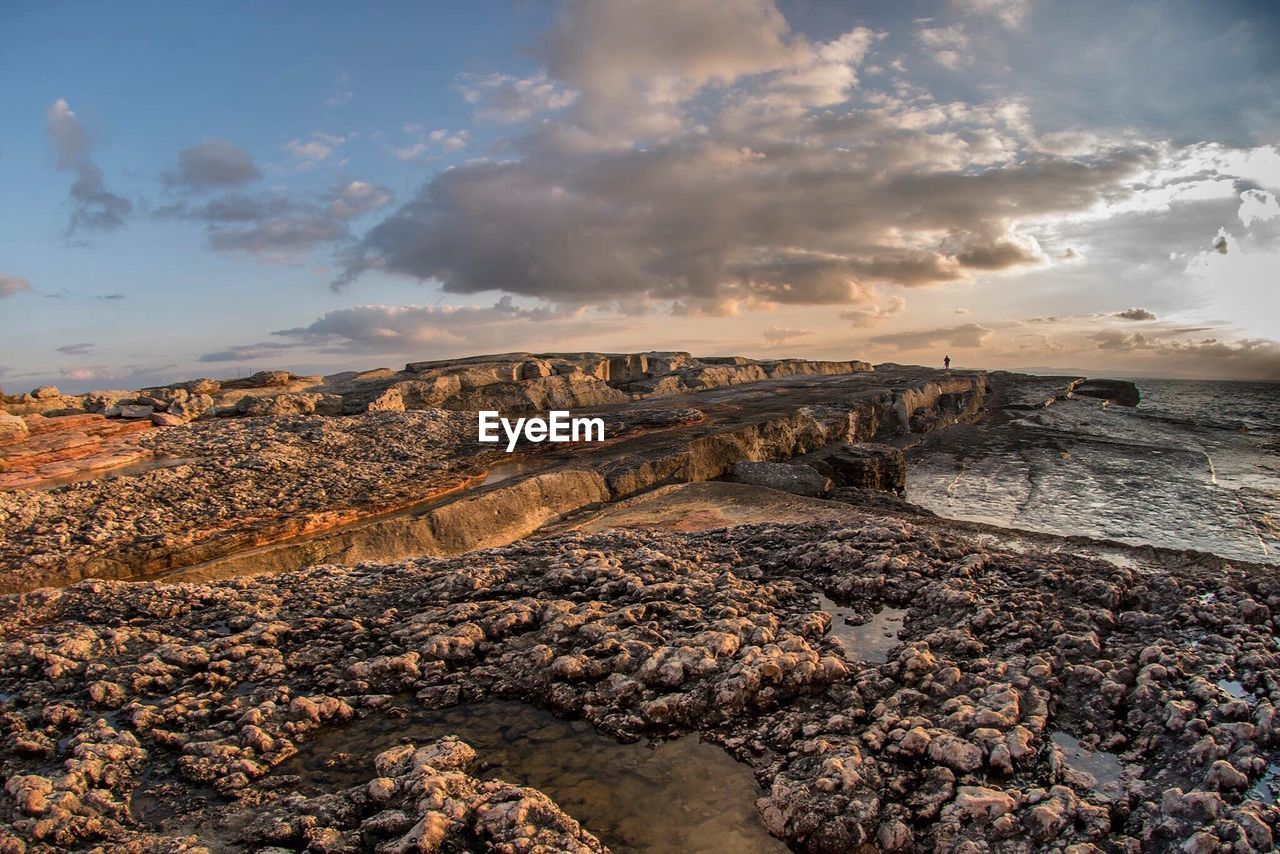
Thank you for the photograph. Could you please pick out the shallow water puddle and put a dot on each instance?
(504, 471)
(1268, 786)
(1234, 688)
(1102, 766)
(126, 470)
(683, 795)
(871, 641)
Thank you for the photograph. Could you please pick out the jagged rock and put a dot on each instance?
(798, 480)
(46, 392)
(12, 428)
(1121, 392)
(166, 419)
(136, 410)
(290, 403)
(868, 465)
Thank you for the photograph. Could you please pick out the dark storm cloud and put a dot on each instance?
(75, 349)
(214, 164)
(93, 206)
(1135, 314)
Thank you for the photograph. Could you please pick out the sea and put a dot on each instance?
(1196, 465)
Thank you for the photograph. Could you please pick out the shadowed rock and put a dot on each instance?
(1121, 392)
(798, 480)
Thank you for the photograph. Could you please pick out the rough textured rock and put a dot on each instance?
(12, 428)
(233, 495)
(796, 479)
(1121, 392)
(868, 465)
(49, 450)
(112, 692)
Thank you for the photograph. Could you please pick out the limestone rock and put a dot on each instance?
(798, 480)
(12, 428)
(1121, 392)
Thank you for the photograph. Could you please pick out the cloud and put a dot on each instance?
(75, 349)
(1220, 244)
(1011, 13)
(93, 205)
(11, 286)
(113, 297)
(775, 335)
(841, 204)
(316, 149)
(1135, 314)
(967, 335)
(508, 99)
(93, 373)
(247, 352)
(948, 46)
(415, 329)
(276, 225)
(214, 164)
(636, 61)
(1257, 206)
(341, 93)
(874, 316)
(1248, 358)
(424, 144)
(715, 160)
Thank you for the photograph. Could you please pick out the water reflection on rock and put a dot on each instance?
(683, 795)
(869, 641)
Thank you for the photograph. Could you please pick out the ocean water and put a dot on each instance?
(1196, 465)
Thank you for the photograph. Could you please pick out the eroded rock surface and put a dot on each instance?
(272, 493)
(113, 691)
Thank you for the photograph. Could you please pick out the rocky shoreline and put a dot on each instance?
(201, 689)
(1008, 691)
(279, 479)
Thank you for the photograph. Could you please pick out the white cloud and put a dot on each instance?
(12, 286)
(1011, 13)
(316, 149)
(948, 46)
(509, 99)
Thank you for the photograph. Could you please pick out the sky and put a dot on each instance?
(211, 190)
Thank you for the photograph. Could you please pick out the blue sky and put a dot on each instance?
(1017, 182)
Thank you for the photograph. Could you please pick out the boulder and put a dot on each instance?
(193, 407)
(798, 480)
(104, 399)
(136, 410)
(167, 419)
(46, 392)
(1120, 392)
(12, 428)
(290, 403)
(865, 466)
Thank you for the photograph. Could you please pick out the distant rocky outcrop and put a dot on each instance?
(1120, 392)
(513, 383)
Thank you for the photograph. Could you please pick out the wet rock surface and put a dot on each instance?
(131, 712)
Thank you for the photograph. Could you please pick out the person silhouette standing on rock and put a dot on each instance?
(946, 363)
